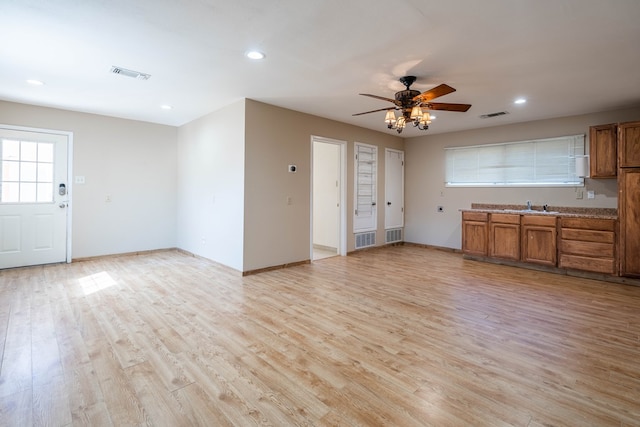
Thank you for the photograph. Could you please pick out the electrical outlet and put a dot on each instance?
(440, 208)
(591, 194)
(289, 200)
(579, 194)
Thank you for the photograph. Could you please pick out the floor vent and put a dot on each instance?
(394, 235)
(364, 240)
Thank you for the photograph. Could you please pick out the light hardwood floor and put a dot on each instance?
(400, 336)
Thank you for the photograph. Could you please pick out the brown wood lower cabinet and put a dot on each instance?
(504, 236)
(474, 233)
(588, 244)
(538, 244)
(629, 213)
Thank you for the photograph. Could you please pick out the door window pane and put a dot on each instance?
(10, 192)
(28, 192)
(45, 192)
(10, 150)
(28, 151)
(27, 171)
(45, 172)
(10, 171)
(45, 152)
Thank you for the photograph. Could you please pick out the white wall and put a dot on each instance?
(425, 174)
(211, 186)
(133, 162)
(326, 194)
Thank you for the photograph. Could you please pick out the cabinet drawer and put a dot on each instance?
(589, 223)
(587, 235)
(592, 249)
(596, 265)
(542, 220)
(505, 218)
(475, 216)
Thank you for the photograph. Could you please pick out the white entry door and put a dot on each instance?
(394, 189)
(34, 198)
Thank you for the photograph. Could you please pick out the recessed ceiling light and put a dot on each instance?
(166, 107)
(35, 82)
(254, 54)
(520, 101)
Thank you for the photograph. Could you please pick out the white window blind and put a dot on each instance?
(542, 162)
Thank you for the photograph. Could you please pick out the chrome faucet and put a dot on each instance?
(528, 205)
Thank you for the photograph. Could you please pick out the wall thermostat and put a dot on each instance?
(293, 168)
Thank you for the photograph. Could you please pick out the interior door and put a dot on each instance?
(34, 198)
(366, 187)
(394, 189)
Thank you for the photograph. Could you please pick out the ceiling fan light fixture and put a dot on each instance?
(410, 103)
(390, 118)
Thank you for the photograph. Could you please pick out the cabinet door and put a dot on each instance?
(474, 237)
(504, 241)
(539, 245)
(603, 154)
(629, 144)
(629, 217)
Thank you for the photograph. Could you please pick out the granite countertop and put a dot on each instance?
(599, 213)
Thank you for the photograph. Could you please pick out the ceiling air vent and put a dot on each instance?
(490, 115)
(130, 73)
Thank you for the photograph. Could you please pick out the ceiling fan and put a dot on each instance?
(415, 106)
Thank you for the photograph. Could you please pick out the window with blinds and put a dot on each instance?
(537, 163)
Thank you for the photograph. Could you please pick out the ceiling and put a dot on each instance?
(566, 57)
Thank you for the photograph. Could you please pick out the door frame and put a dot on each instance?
(342, 237)
(69, 136)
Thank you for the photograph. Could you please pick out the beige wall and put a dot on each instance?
(211, 186)
(425, 174)
(133, 162)
(276, 233)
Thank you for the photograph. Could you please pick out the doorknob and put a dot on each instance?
(62, 205)
(388, 203)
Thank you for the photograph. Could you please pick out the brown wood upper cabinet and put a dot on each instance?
(504, 236)
(474, 233)
(603, 154)
(629, 145)
(538, 243)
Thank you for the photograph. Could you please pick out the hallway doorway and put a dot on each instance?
(328, 201)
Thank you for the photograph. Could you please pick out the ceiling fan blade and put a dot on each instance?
(434, 93)
(375, 111)
(447, 107)
(381, 97)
